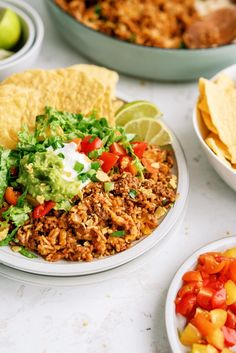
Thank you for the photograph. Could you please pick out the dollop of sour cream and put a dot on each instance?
(71, 156)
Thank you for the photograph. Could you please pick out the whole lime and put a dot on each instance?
(10, 29)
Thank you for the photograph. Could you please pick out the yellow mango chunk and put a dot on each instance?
(203, 348)
(190, 335)
(230, 253)
(230, 287)
(216, 338)
(218, 317)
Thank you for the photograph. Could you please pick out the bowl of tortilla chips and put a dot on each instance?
(214, 120)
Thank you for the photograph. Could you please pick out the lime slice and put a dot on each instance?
(149, 130)
(136, 110)
(10, 29)
(4, 54)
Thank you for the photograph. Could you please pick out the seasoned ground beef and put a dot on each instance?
(86, 232)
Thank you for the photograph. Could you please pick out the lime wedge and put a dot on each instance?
(5, 54)
(149, 130)
(136, 110)
(10, 29)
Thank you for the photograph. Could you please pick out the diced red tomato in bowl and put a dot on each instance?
(207, 300)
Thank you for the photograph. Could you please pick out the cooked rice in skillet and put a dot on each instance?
(156, 23)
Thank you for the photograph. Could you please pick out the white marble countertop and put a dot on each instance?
(126, 313)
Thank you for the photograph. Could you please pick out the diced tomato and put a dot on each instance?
(188, 288)
(117, 149)
(89, 144)
(11, 196)
(202, 324)
(187, 305)
(204, 298)
(77, 141)
(41, 210)
(151, 166)
(231, 320)
(210, 265)
(192, 276)
(224, 274)
(131, 168)
(215, 284)
(232, 307)
(219, 299)
(232, 270)
(139, 148)
(109, 161)
(229, 336)
(127, 165)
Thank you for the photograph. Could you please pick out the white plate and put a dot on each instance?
(63, 268)
(72, 281)
(172, 322)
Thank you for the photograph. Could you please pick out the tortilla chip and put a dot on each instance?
(218, 148)
(207, 120)
(78, 89)
(107, 78)
(15, 111)
(78, 93)
(225, 82)
(221, 103)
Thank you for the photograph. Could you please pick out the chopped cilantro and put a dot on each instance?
(27, 253)
(118, 233)
(133, 193)
(61, 155)
(97, 10)
(78, 167)
(95, 165)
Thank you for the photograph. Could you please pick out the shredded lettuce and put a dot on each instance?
(17, 215)
(4, 155)
(10, 236)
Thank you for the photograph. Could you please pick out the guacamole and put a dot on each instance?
(42, 175)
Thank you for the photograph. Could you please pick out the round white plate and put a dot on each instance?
(63, 268)
(72, 281)
(172, 322)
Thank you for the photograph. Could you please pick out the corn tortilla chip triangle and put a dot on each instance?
(107, 78)
(80, 89)
(222, 109)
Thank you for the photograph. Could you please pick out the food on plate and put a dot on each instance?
(74, 185)
(158, 23)
(207, 301)
(217, 110)
(23, 96)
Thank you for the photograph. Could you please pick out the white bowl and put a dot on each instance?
(27, 36)
(171, 319)
(63, 268)
(227, 173)
(26, 59)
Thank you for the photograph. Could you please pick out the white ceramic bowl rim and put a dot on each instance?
(196, 128)
(39, 32)
(174, 51)
(64, 268)
(189, 263)
(31, 29)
